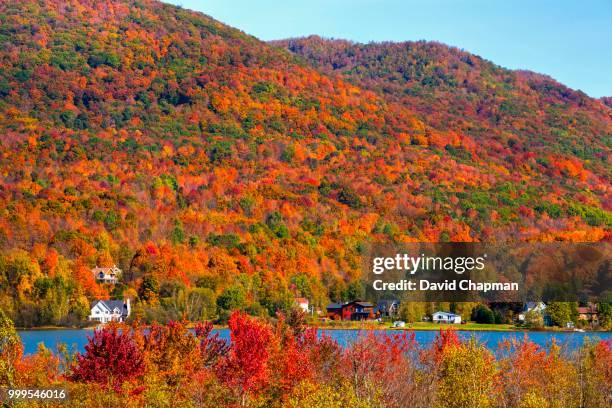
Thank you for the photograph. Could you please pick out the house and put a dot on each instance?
(106, 275)
(446, 317)
(334, 311)
(355, 310)
(539, 307)
(302, 304)
(588, 313)
(105, 311)
(387, 308)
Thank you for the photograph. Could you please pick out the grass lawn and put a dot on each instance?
(467, 326)
(372, 325)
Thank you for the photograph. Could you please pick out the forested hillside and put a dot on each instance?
(220, 172)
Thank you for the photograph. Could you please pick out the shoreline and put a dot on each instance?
(365, 327)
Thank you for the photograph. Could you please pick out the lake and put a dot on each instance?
(76, 339)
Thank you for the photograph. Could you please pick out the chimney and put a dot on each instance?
(127, 306)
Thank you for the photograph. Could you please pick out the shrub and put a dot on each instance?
(482, 314)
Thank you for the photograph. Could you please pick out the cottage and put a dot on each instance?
(588, 313)
(355, 310)
(105, 311)
(334, 311)
(302, 304)
(446, 317)
(106, 275)
(358, 310)
(536, 307)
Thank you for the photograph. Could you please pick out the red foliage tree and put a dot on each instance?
(379, 364)
(245, 367)
(445, 339)
(291, 360)
(111, 358)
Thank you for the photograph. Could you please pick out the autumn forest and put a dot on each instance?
(227, 177)
(220, 172)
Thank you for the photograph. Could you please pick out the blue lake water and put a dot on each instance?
(76, 339)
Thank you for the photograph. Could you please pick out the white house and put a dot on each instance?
(539, 307)
(105, 311)
(446, 317)
(106, 275)
(303, 304)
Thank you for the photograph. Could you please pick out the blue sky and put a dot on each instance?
(568, 40)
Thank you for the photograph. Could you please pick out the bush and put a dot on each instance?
(534, 319)
(482, 314)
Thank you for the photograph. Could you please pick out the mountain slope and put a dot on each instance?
(456, 90)
(192, 154)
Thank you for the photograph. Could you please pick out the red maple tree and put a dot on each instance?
(111, 358)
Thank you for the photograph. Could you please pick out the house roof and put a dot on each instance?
(334, 306)
(106, 270)
(364, 304)
(532, 305)
(592, 309)
(354, 302)
(301, 300)
(110, 305)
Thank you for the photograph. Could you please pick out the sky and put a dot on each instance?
(569, 40)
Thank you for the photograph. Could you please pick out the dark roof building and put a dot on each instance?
(355, 310)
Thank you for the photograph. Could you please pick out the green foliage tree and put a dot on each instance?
(534, 319)
(232, 298)
(355, 290)
(149, 289)
(604, 310)
(412, 311)
(177, 235)
(464, 309)
(560, 313)
(277, 225)
(482, 314)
